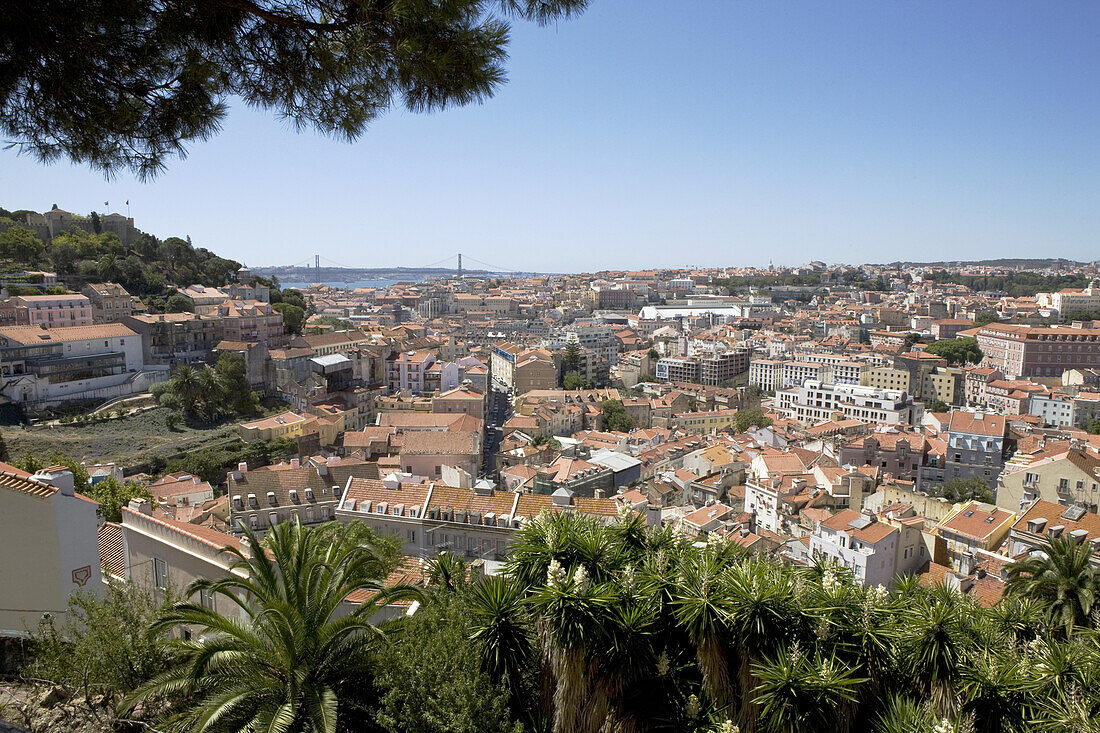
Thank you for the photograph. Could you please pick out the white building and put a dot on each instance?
(44, 366)
(767, 374)
(49, 544)
(861, 543)
(795, 373)
(1053, 409)
(816, 401)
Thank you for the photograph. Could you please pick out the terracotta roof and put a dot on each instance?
(1056, 514)
(112, 552)
(977, 520)
(872, 533)
(970, 422)
(206, 535)
(26, 486)
(35, 335)
(280, 480)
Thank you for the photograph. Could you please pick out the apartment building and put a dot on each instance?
(597, 338)
(204, 299)
(1042, 520)
(110, 302)
(767, 374)
(534, 369)
(251, 320)
(1054, 409)
(973, 526)
(795, 373)
(260, 498)
(406, 371)
(1064, 477)
(899, 453)
(461, 400)
(816, 402)
(43, 366)
(1036, 351)
(702, 423)
(169, 339)
(48, 311)
(859, 542)
(478, 523)
(975, 448)
(168, 555)
(1072, 300)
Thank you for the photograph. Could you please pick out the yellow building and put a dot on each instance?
(284, 425)
(701, 423)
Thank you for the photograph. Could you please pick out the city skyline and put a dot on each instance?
(644, 137)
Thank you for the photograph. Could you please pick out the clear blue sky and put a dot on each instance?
(650, 133)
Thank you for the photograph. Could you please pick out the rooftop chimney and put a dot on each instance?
(57, 476)
(141, 506)
(242, 467)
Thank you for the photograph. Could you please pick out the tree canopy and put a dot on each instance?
(753, 417)
(957, 351)
(615, 417)
(129, 85)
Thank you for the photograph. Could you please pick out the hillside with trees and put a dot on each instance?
(147, 267)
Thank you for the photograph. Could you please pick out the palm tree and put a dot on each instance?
(447, 571)
(278, 656)
(186, 387)
(1062, 577)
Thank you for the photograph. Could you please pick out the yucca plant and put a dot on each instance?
(796, 692)
(702, 608)
(763, 616)
(500, 629)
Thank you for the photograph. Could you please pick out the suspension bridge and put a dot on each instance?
(319, 268)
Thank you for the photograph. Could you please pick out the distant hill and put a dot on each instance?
(86, 253)
(1016, 263)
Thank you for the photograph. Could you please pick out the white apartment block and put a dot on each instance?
(795, 373)
(817, 401)
(767, 374)
(1053, 409)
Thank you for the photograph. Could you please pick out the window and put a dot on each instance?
(206, 599)
(160, 573)
(253, 522)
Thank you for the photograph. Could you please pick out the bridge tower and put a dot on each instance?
(317, 266)
(460, 265)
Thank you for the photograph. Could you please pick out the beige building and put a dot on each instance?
(478, 523)
(284, 425)
(1071, 477)
(534, 372)
(263, 497)
(460, 400)
(168, 555)
(49, 544)
(110, 302)
(974, 526)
